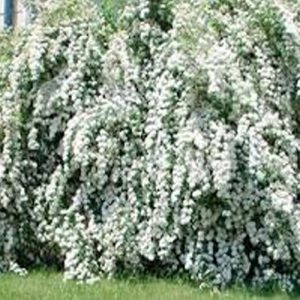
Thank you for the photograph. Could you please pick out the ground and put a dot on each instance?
(41, 285)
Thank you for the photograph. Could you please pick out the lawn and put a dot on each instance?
(50, 286)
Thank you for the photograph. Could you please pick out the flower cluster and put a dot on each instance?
(170, 144)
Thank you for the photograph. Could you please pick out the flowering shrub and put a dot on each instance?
(167, 144)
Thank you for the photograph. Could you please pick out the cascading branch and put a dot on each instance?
(170, 144)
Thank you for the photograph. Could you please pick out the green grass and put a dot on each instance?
(42, 285)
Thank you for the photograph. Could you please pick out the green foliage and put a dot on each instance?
(112, 10)
(49, 285)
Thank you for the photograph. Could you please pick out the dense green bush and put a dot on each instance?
(166, 143)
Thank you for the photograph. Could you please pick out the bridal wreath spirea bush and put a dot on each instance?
(168, 143)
